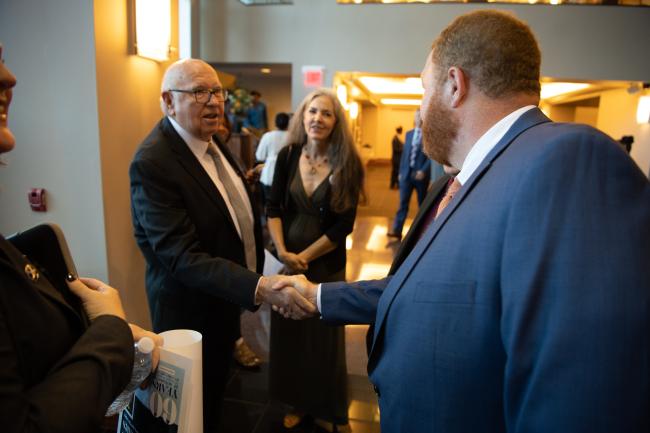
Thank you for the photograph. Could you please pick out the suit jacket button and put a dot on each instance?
(376, 390)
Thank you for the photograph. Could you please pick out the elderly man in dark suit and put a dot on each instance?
(194, 222)
(524, 306)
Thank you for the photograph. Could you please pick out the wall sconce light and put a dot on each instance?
(342, 94)
(354, 110)
(153, 29)
(643, 110)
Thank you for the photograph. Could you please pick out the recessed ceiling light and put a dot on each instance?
(265, 70)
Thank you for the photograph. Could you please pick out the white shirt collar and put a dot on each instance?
(197, 146)
(486, 143)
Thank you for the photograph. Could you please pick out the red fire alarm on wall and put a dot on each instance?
(36, 197)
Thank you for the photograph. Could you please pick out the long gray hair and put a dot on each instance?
(347, 169)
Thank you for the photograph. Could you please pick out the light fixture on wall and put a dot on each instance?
(342, 94)
(354, 110)
(393, 85)
(643, 110)
(553, 89)
(152, 29)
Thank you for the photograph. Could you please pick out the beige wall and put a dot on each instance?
(369, 125)
(617, 117)
(378, 128)
(81, 107)
(580, 42)
(587, 115)
(50, 46)
(128, 89)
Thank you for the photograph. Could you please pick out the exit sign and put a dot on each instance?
(313, 76)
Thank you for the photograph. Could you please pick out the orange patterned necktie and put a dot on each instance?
(451, 191)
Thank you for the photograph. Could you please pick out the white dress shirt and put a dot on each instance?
(200, 150)
(270, 145)
(477, 154)
(486, 143)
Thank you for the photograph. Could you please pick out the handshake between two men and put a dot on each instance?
(293, 296)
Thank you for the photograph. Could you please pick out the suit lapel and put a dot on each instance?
(189, 162)
(528, 120)
(407, 244)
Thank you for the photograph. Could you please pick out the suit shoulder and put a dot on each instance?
(155, 145)
(571, 140)
(570, 150)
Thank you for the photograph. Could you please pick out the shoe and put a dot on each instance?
(292, 419)
(245, 357)
(394, 235)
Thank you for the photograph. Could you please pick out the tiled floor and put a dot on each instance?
(247, 407)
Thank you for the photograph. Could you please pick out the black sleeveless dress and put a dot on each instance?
(307, 358)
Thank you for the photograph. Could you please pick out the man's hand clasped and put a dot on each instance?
(293, 296)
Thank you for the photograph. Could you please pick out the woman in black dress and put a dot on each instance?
(311, 209)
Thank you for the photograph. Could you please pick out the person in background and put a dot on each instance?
(414, 172)
(195, 225)
(60, 366)
(397, 145)
(267, 152)
(317, 183)
(256, 118)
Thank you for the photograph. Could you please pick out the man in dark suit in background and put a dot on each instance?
(414, 172)
(396, 157)
(195, 225)
(524, 306)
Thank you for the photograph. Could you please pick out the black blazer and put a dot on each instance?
(56, 373)
(196, 274)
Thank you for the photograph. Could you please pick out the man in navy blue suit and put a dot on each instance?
(525, 306)
(414, 172)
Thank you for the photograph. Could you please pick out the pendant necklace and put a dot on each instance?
(314, 164)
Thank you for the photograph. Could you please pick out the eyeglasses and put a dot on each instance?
(203, 96)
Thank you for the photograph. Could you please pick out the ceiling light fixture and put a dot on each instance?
(643, 110)
(265, 70)
(342, 94)
(398, 101)
(393, 86)
(551, 90)
(354, 110)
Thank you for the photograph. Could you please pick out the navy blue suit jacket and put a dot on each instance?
(525, 307)
(422, 162)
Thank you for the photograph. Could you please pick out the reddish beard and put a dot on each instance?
(439, 130)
